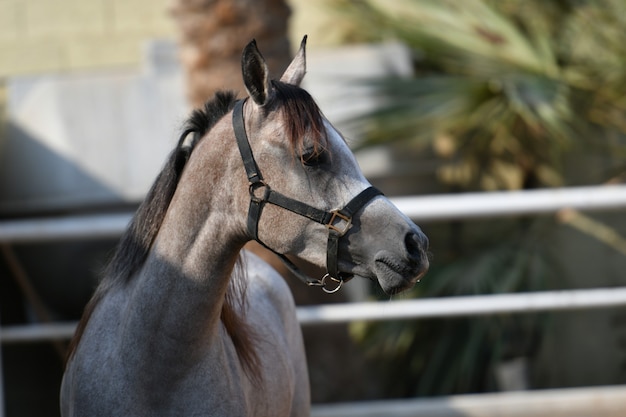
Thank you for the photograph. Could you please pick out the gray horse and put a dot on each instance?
(186, 324)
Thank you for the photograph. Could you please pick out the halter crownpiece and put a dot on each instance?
(337, 222)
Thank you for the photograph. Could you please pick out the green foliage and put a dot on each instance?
(510, 86)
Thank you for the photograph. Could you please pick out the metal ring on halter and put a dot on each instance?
(334, 290)
(254, 186)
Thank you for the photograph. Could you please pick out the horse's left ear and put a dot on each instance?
(255, 74)
(296, 70)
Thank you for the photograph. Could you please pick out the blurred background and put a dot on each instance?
(435, 97)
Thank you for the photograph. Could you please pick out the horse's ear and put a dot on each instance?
(255, 74)
(296, 70)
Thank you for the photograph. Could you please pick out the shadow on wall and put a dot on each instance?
(88, 139)
(35, 179)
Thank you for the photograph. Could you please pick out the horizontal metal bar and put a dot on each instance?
(37, 332)
(96, 226)
(478, 305)
(511, 203)
(465, 306)
(419, 208)
(607, 401)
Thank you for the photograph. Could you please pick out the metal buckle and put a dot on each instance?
(342, 218)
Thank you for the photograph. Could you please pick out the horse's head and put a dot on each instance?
(305, 185)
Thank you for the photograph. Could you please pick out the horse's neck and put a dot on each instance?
(180, 290)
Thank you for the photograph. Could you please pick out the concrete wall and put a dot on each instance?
(89, 138)
(60, 35)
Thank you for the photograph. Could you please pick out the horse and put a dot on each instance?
(186, 323)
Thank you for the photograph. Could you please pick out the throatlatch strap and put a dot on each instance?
(254, 214)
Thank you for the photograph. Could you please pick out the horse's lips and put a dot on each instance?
(393, 276)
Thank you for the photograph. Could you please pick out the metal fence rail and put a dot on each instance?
(420, 208)
(608, 401)
(511, 203)
(31, 333)
(55, 229)
(466, 306)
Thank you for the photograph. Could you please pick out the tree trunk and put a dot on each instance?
(213, 34)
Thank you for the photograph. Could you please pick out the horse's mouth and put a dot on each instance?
(395, 276)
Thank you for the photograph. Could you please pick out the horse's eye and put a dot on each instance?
(312, 157)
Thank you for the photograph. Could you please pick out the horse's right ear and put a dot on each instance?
(255, 74)
(296, 70)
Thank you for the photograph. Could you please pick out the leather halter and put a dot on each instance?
(337, 222)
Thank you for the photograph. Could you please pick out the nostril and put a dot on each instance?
(415, 245)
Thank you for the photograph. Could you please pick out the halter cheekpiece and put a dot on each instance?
(337, 222)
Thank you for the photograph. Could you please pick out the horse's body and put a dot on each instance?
(111, 374)
(174, 329)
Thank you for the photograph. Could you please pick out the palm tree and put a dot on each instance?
(213, 33)
(502, 88)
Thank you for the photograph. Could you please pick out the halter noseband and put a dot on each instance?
(337, 221)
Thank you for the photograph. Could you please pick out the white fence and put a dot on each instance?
(425, 208)
(465, 306)
(421, 208)
(512, 203)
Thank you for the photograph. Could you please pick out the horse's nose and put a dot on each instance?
(416, 246)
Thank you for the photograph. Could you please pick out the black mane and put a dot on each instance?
(202, 120)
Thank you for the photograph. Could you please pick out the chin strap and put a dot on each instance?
(338, 222)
